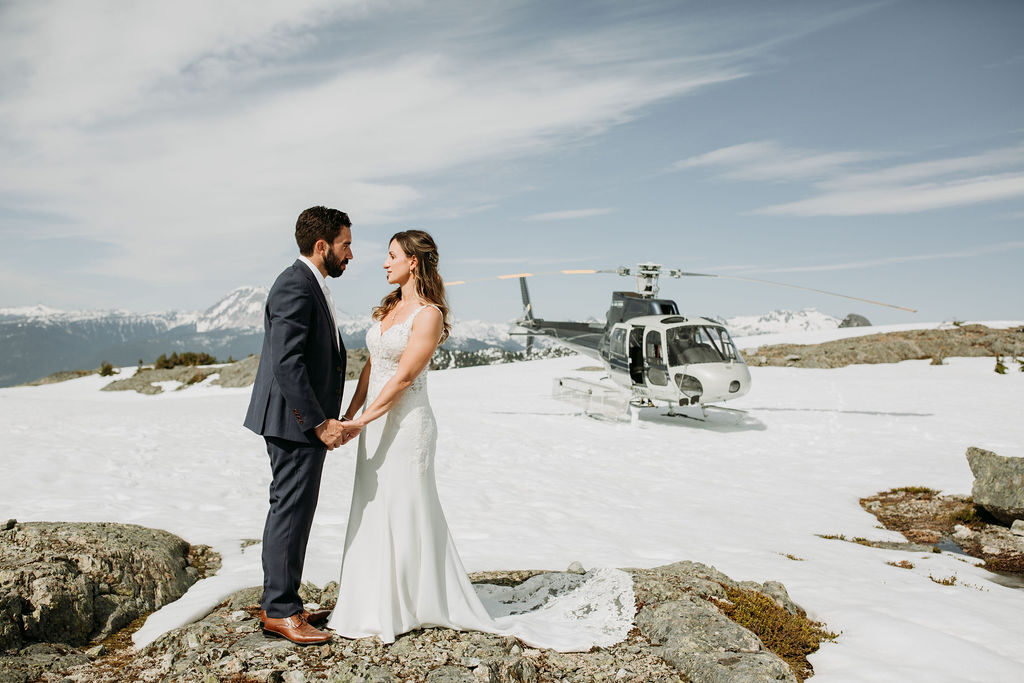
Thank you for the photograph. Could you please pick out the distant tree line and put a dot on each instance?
(165, 362)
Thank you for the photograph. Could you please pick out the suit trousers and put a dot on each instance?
(294, 490)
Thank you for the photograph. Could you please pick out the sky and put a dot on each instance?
(154, 156)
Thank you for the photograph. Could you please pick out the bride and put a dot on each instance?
(400, 569)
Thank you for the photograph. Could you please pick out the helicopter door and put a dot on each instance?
(654, 356)
(636, 355)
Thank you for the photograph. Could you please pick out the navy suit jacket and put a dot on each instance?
(301, 374)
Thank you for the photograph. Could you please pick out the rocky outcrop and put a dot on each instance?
(854, 320)
(682, 633)
(893, 347)
(79, 583)
(238, 374)
(58, 377)
(148, 380)
(998, 484)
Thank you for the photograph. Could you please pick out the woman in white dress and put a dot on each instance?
(400, 569)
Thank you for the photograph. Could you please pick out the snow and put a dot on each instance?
(528, 482)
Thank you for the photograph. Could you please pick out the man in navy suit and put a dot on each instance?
(295, 403)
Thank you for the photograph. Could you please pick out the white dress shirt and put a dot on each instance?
(327, 294)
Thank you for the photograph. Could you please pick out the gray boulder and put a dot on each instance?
(998, 484)
(854, 320)
(75, 583)
(240, 373)
(696, 638)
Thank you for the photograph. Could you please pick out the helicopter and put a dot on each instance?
(649, 348)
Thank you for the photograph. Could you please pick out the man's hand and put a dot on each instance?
(331, 433)
(350, 430)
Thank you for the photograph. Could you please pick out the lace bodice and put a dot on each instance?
(386, 350)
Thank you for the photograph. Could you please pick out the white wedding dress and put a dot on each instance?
(400, 569)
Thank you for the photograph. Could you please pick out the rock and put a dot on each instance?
(1017, 527)
(576, 568)
(32, 662)
(10, 524)
(240, 373)
(451, 674)
(62, 376)
(961, 532)
(72, 583)
(706, 646)
(777, 592)
(854, 320)
(998, 484)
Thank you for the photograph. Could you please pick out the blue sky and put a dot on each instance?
(155, 155)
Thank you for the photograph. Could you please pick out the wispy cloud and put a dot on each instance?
(896, 199)
(769, 160)
(568, 215)
(851, 183)
(197, 119)
(890, 260)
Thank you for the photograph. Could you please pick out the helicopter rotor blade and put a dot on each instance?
(679, 273)
(512, 276)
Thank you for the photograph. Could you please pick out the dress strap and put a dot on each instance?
(417, 311)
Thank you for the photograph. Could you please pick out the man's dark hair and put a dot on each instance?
(319, 223)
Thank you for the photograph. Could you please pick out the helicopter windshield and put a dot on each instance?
(689, 344)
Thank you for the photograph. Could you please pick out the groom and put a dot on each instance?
(295, 402)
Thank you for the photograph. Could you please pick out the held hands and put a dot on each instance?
(331, 433)
(350, 430)
(336, 433)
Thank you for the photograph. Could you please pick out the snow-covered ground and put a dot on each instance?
(527, 482)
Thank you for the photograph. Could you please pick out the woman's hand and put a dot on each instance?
(349, 430)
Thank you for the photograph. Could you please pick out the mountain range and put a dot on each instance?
(38, 340)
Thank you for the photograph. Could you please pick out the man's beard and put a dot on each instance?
(334, 266)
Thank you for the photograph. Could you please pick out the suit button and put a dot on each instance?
(337, 369)
(337, 392)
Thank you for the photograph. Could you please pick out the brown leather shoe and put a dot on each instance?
(313, 618)
(295, 629)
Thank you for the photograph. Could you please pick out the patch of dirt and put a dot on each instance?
(926, 517)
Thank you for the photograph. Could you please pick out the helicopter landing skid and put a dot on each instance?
(672, 413)
(731, 410)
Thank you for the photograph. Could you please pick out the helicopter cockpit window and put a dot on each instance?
(618, 342)
(698, 344)
(726, 346)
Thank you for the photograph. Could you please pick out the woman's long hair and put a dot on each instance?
(429, 285)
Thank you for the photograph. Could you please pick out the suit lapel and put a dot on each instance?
(318, 294)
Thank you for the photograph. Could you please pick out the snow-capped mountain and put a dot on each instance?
(39, 340)
(807, 320)
(240, 309)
